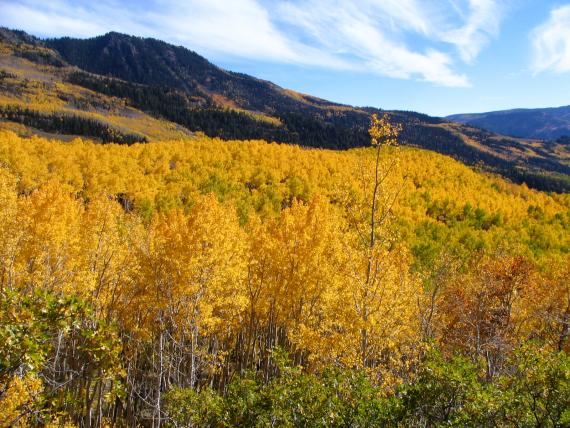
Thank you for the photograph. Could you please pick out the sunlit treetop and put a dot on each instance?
(382, 132)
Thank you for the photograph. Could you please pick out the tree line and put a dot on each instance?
(65, 123)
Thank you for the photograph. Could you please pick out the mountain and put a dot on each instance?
(539, 123)
(189, 86)
(129, 89)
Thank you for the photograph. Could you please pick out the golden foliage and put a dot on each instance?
(16, 396)
(208, 249)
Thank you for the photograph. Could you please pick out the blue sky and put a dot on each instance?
(434, 56)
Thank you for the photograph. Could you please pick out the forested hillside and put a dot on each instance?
(145, 88)
(201, 282)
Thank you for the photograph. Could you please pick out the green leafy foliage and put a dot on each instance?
(57, 339)
(444, 392)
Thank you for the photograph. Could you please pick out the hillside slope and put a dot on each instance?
(118, 79)
(115, 256)
(539, 123)
(36, 98)
(441, 200)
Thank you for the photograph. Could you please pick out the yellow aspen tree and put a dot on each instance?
(258, 289)
(293, 275)
(384, 294)
(548, 303)
(191, 296)
(49, 258)
(107, 239)
(11, 233)
(17, 399)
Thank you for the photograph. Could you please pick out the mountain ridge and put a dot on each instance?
(547, 123)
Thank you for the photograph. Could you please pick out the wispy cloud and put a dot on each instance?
(551, 42)
(481, 23)
(50, 18)
(372, 34)
(408, 39)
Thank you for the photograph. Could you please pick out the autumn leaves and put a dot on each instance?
(188, 264)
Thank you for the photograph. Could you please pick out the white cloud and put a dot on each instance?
(242, 28)
(551, 42)
(408, 39)
(481, 24)
(47, 20)
(377, 33)
(369, 36)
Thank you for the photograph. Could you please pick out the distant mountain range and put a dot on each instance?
(129, 89)
(538, 123)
